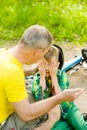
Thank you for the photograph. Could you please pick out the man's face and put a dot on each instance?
(35, 55)
(39, 53)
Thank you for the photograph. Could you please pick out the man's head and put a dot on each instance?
(36, 40)
(36, 36)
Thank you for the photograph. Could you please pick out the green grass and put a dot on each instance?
(66, 19)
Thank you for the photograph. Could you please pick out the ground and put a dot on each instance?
(79, 78)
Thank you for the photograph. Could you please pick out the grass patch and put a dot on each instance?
(66, 19)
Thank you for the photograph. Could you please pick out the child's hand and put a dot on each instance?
(42, 65)
(53, 68)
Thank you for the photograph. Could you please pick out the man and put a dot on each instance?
(16, 112)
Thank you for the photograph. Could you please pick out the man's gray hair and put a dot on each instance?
(36, 36)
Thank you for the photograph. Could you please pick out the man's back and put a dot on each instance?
(11, 81)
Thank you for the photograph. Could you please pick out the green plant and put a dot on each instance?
(65, 19)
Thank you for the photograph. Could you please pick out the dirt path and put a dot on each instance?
(79, 78)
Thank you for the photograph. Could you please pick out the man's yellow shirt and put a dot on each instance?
(12, 83)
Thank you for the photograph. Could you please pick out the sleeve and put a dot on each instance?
(63, 81)
(36, 88)
(14, 85)
(64, 84)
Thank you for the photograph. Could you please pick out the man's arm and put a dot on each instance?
(30, 70)
(54, 116)
(27, 111)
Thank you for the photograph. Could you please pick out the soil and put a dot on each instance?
(77, 78)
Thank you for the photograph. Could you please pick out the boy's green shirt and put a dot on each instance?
(37, 89)
(63, 82)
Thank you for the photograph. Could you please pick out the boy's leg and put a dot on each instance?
(84, 116)
(75, 118)
(62, 125)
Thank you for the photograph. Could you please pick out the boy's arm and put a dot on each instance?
(42, 71)
(55, 85)
(53, 68)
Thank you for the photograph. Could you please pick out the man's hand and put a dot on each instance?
(72, 94)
